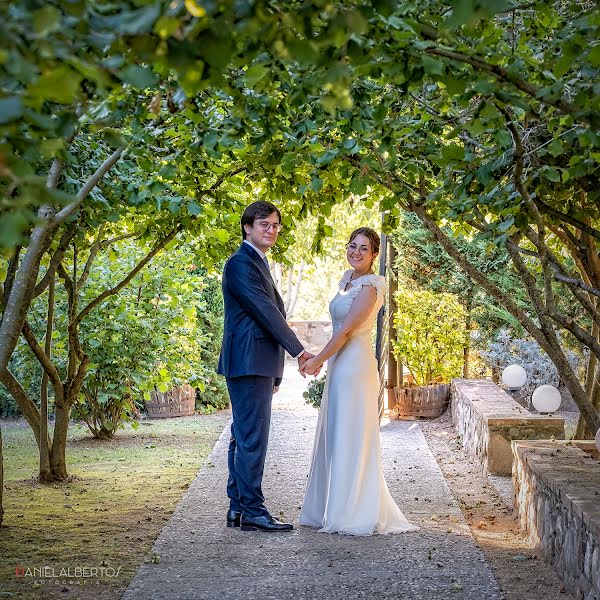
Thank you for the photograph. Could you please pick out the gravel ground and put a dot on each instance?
(196, 556)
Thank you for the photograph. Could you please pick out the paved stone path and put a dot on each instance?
(202, 559)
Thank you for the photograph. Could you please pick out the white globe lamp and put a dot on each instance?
(514, 377)
(598, 440)
(546, 399)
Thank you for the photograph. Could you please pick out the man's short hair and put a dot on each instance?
(258, 210)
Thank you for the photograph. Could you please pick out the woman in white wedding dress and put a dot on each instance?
(346, 491)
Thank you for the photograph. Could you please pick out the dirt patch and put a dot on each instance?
(519, 572)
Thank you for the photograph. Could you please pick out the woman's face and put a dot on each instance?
(359, 253)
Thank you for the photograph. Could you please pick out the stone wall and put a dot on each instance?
(488, 419)
(314, 335)
(557, 496)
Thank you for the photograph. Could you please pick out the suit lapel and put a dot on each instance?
(263, 267)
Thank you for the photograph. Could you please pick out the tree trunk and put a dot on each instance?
(296, 291)
(58, 454)
(45, 474)
(592, 388)
(288, 289)
(27, 406)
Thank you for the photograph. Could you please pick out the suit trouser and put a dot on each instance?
(251, 398)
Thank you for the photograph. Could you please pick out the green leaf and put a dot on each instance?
(555, 148)
(59, 85)
(453, 152)
(168, 171)
(594, 55)
(506, 225)
(137, 21)
(303, 51)
(316, 184)
(46, 19)
(254, 74)
(12, 226)
(432, 66)
(165, 27)
(138, 77)
(504, 138)
(194, 208)
(551, 174)
(222, 235)
(11, 108)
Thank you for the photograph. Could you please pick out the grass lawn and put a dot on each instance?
(109, 513)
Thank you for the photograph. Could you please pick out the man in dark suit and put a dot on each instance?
(255, 337)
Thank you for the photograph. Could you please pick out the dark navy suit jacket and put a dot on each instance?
(255, 332)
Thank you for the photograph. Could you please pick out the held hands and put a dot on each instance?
(302, 359)
(311, 367)
(308, 359)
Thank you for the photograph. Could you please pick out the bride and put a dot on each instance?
(346, 491)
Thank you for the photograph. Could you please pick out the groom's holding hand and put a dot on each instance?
(252, 355)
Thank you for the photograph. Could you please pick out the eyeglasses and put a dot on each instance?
(353, 248)
(266, 226)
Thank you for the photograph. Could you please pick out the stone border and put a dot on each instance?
(557, 497)
(488, 419)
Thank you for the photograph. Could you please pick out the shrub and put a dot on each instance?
(506, 350)
(430, 335)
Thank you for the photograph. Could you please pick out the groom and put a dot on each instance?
(254, 339)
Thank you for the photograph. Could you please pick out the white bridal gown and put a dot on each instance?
(346, 491)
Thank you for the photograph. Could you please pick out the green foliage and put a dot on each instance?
(314, 392)
(423, 263)
(150, 336)
(430, 334)
(214, 394)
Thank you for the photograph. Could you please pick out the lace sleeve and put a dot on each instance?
(377, 281)
(345, 279)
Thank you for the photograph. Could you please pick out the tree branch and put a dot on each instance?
(41, 355)
(577, 283)
(504, 75)
(27, 406)
(57, 257)
(87, 187)
(157, 248)
(13, 265)
(545, 208)
(581, 334)
(220, 180)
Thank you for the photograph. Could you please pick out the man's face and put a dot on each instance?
(263, 232)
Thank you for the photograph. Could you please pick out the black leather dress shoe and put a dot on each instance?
(264, 523)
(233, 518)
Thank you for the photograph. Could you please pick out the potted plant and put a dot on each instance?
(430, 340)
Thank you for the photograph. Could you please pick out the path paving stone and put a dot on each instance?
(202, 559)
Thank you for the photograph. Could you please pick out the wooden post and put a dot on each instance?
(392, 378)
(380, 333)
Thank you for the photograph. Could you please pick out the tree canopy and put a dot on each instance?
(159, 121)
